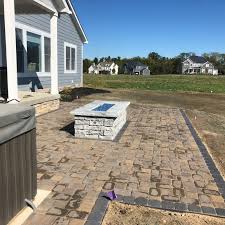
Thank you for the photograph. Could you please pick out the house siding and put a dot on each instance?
(67, 32)
(38, 21)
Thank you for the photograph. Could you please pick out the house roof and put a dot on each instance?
(198, 59)
(133, 65)
(77, 23)
(94, 66)
(105, 64)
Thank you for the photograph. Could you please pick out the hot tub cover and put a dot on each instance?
(15, 120)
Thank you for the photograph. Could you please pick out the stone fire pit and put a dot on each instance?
(100, 119)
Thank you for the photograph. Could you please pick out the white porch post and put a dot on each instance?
(54, 55)
(10, 37)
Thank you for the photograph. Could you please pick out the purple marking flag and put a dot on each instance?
(112, 195)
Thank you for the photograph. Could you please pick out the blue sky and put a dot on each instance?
(130, 28)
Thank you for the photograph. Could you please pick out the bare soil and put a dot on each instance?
(212, 103)
(211, 129)
(121, 214)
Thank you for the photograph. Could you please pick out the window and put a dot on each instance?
(33, 52)
(19, 51)
(47, 54)
(73, 58)
(70, 58)
(33, 49)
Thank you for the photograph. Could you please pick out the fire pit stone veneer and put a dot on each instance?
(100, 119)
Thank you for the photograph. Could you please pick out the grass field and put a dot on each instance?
(174, 83)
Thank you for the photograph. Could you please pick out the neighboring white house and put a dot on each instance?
(198, 65)
(104, 68)
(93, 69)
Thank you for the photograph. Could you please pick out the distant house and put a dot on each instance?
(104, 68)
(198, 65)
(93, 69)
(136, 68)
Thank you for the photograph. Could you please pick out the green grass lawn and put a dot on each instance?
(178, 83)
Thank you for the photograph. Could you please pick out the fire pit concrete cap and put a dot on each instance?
(88, 110)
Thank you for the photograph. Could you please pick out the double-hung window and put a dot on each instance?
(47, 54)
(70, 58)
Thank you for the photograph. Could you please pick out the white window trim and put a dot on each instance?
(66, 44)
(25, 29)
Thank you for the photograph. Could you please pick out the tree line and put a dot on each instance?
(159, 64)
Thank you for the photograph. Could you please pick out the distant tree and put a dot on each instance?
(154, 56)
(96, 60)
(185, 55)
(102, 59)
(86, 64)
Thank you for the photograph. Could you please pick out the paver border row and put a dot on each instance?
(101, 205)
(206, 156)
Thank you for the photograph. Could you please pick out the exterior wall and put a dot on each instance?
(68, 33)
(116, 69)
(38, 21)
(215, 72)
(92, 70)
(207, 68)
(146, 72)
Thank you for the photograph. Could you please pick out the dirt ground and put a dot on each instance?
(121, 214)
(211, 103)
(211, 128)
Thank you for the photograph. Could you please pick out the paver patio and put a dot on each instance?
(156, 158)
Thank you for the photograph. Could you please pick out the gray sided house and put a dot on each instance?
(198, 65)
(136, 68)
(43, 63)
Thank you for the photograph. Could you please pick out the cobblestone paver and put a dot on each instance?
(155, 158)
